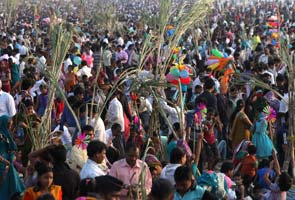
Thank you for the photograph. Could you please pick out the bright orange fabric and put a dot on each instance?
(55, 190)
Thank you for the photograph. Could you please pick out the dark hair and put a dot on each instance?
(240, 105)
(264, 163)
(226, 167)
(130, 146)
(83, 63)
(47, 196)
(107, 185)
(78, 89)
(176, 155)
(59, 154)
(27, 103)
(161, 189)
(176, 126)
(211, 110)
(42, 168)
(209, 83)
(251, 149)
(183, 173)
(285, 181)
(87, 128)
(86, 186)
(95, 147)
(115, 126)
(27, 83)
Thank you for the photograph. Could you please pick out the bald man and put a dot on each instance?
(7, 105)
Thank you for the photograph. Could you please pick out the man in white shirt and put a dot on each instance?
(96, 151)
(85, 70)
(7, 105)
(98, 125)
(115, 113)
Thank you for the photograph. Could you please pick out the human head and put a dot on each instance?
(132, 153)
(79, 92)
(178, 156)
(43, 88)
(162, 189)
(251, 149)
(96, 151)
(45, 175)
(211, 112)
(116, 129)
(27, 84)
(183, 177)
(227, 168)
(240, 104)
(198, 89)
(29, 106)
(177, 129)
(264, 163)
(83, 63)
(108, 187)
(59, 154)
(86, 186)
(46, 196)
(209, 85)
(88, 130)
(284, 182)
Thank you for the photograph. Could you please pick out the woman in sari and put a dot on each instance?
(240, 125)
(10, 182)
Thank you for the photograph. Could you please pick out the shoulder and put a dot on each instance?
(119, 163)
(30, 190)
(55, 187)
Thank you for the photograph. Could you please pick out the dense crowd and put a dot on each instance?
(223, 128)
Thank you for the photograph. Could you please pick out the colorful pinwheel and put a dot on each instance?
(270, 114)
(82, 141)
(200, 115)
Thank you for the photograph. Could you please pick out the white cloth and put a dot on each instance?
(145, 105)
(85, 70)
(109, 136)
(284, 104)
(145, 75)
(120, 41)
(91, 170)
(65, 137)
(172, 112)
(67, 63)
(196, 82)
(115, 113)
(7, 104)
(106, 58)
(23, 50)
(99, 129)
(77, 158)
(168, 172)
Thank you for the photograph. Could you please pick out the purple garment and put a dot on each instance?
(122, 56)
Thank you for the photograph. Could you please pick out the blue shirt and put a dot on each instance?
(195, 194)
(68, 117)
(261, 173)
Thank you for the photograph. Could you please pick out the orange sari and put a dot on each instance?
(55, 190)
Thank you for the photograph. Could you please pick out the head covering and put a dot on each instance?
(4, 119)
(152, 161)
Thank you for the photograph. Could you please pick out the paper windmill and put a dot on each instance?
(82, 141)
(200, 115)
(270, 114)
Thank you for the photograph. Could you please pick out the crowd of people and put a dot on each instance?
(226, 138)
